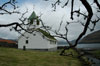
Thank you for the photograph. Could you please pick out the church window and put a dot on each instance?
(26, 41)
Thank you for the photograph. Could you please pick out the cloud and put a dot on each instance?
(6, 33)
(49, 17)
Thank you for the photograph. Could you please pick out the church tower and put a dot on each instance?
(33, 20)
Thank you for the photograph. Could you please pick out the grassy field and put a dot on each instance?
(96, 53)
(16, 57)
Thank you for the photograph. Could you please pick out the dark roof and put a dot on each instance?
(46, 34)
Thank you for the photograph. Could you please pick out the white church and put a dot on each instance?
(39, 39)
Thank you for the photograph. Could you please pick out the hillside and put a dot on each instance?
(92, 38)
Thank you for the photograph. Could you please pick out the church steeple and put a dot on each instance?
(33, 19)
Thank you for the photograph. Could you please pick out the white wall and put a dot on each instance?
(35, 42)
(52, 46)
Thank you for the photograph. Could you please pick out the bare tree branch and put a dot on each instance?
(65, 4)
(90, 14)
(97, 3)
(72, 5)
(6, 11)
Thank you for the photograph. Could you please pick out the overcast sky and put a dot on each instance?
(49, 17)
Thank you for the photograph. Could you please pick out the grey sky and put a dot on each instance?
(49, 17)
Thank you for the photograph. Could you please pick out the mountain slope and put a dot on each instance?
(92, 38)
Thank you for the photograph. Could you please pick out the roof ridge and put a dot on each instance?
(48, 35)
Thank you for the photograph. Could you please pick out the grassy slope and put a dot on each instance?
(96, 53)
(15, 57)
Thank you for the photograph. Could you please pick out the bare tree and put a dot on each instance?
(4, 9)
(88, 19)
(17, 26)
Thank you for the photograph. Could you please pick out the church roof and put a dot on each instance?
(32, 16)
(43, 32)
(46, 34)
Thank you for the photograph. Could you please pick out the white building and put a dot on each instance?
(39, 40)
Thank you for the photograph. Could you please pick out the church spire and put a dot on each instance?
(33, 18)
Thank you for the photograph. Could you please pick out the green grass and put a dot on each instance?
(16, 57)
(96, 53)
